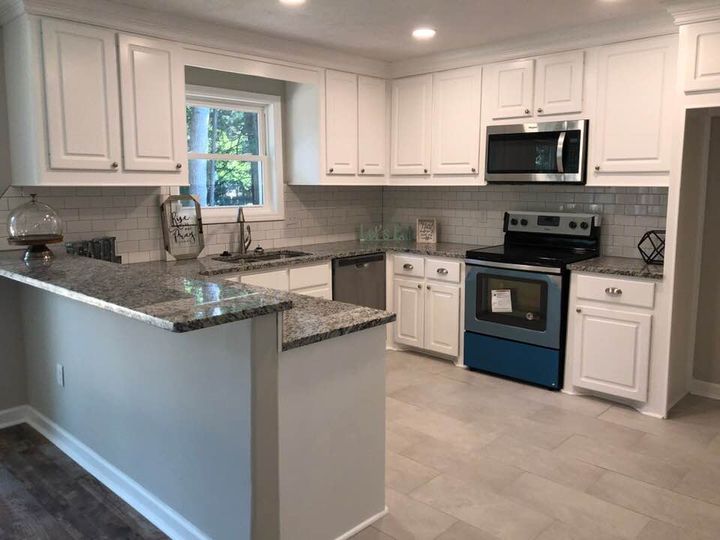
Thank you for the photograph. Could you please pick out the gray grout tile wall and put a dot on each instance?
(471, 215)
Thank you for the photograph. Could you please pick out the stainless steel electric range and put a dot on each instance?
(516, 295)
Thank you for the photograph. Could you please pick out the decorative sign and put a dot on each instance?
(182, 226)
(426, 231)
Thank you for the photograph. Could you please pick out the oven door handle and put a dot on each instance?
(559, 152)
(512, 266)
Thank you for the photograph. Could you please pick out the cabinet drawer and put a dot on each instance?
(317, 292)
(616, 290)
(310, 276)
(409, 266)
(271, 280)
(442, 270)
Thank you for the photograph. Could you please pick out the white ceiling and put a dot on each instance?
(381, 29)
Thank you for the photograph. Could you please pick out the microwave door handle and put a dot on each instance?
(559, 152)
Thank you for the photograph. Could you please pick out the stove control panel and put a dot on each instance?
(551, 223)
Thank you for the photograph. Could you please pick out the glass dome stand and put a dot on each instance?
(37, 250)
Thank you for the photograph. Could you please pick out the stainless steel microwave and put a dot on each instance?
(552, 152)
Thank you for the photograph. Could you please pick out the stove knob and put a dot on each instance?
(584, 225)
(513, 221)
(523, 222)
(573, 225)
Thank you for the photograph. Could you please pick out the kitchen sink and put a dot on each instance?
(255, 256)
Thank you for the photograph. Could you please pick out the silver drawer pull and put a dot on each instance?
(408, 266)
(613, 291)
(442, 271)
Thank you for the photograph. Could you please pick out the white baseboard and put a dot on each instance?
(14, 416)
(705, 389)
(364, 525)
(153, 509)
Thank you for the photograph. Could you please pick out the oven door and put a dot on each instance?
(543, 152)
(522, 305)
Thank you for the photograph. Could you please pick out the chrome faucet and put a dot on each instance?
(244, 241)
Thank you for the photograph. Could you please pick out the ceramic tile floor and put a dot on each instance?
(473, 457)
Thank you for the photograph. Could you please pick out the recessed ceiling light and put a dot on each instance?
(292, 2)
(423, 32)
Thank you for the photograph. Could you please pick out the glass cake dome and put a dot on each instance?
(35, 224)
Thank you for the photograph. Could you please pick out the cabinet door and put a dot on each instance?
(700, 50)
(270, 280)
(559, 83)
(411, 118)
(341, 120)
(442, 318)
(372, 126)
(635, 103)
(152, 84)
(611, 351)
(456, 121)
(409, 306)
(81, 92)
(511, 89)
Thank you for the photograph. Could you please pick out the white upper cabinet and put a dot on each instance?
(559, 83)
(341, 120)
(456, 121)
(700, 46)
(81, 93)
(372, 126)
(510, 89)
(152, 79)
(635, 94)
(411, 120)
(547, 85)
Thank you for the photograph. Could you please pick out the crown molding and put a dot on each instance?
(693, 11)
(192, 32)
(577, 37)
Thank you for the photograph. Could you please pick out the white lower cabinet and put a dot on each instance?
(609, 338)
(314, 280)
(442, 318)
(409, 301)
(427, 307)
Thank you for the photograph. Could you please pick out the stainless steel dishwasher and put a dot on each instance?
(360, 280)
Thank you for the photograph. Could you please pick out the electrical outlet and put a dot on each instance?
(60, 375)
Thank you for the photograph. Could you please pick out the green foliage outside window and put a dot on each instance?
(224, 182)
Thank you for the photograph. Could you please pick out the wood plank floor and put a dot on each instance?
(46, 495)
(469, 457)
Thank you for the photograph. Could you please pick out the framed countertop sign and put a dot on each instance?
(182, 226)
(426, 231)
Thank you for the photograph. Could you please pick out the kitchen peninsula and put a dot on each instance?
(210, 406)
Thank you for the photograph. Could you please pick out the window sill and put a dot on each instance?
(216, 216)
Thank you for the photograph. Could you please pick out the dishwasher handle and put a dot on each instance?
(359, 261)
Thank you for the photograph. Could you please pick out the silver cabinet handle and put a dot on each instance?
(419, 286)
(540, 109)
(613, 291)
(408, 266)
(428, 287)
(597, 167)
(578, 310)
(178, 166)
(442, 271)
(114, 164)
(527, 111)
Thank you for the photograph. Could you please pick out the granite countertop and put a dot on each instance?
(168, 301)
(315, 319)
(619, 266)
(207, 266)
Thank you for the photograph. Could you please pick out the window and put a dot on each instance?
(234, 154)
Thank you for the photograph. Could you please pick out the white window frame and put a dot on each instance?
(270, 140)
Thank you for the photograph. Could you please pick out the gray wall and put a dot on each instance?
(172, 411)
(707, 343)
(13, 387)
(473, 215)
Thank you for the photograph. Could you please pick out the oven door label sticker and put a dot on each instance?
(501, 301)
